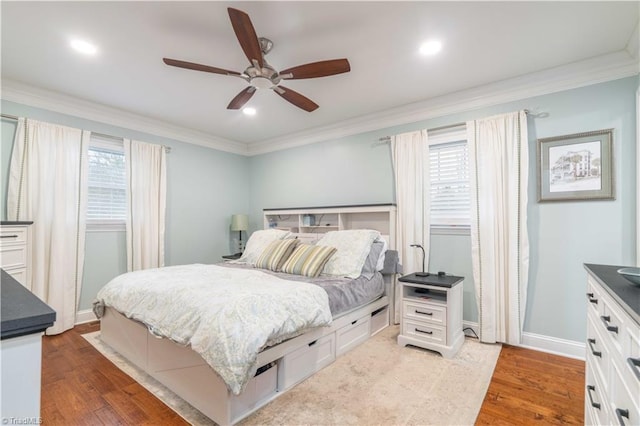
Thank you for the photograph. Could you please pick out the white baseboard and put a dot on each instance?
(554, 345)
(84, 316)
(538, 342)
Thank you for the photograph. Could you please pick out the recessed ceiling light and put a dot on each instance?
(84, 47)
(249, 111)
(430, 47)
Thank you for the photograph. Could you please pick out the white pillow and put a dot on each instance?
(258, 241)
(353, 247)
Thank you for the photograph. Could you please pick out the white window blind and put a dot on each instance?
(107, 180)
(449, 174)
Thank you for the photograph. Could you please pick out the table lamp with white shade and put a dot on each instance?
(240, 222)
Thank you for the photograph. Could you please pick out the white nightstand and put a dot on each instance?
(432, 313)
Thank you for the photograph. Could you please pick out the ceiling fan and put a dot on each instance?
(261, 75)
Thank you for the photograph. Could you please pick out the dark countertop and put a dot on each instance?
(618, 287)
(433, 279)
(22, 312)
(16, 222)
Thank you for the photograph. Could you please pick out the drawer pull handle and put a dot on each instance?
(620, 413)
(592, 299)
(424, 313)
(8, 236)
(593, 404)
(313, 343)
(635, 366)
(594, 352)
(605, 319)
(353, 322)
(424, 332)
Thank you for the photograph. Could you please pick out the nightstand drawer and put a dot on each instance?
(424, 311)
(424, 331)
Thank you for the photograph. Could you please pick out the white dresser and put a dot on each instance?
(15, 250)
(432, 313)
(612, 394)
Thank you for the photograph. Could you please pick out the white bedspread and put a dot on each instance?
(226, 315)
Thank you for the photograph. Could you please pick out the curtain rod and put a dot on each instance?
(435, 129)
(167, 149)
(9, 117)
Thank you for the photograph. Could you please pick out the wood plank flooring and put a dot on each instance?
(81, 387)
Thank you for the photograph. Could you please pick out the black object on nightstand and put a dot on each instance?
(437, 280)
(232, 256)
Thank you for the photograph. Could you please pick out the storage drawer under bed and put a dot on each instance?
(303, 362)
(351, 335)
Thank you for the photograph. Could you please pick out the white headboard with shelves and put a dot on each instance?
(310, 223)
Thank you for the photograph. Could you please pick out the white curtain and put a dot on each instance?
(410, 156)
(147, 193)
(499, 160)
(47, 185)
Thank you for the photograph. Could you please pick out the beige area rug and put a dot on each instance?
(377, 383)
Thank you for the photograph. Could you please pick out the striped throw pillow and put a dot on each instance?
(308, 260)
(275, 254)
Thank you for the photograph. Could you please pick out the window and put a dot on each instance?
(449, 176)
(107, 183)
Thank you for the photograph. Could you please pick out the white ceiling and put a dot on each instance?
(484, 43)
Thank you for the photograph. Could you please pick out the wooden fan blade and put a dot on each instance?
(246, 35)
(296, 98)
(241, 98)
(197, 67)
(317, 69)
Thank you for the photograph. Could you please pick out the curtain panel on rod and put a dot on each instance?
(147, 195)
(499, 163)
(48, 185)
(410, 156)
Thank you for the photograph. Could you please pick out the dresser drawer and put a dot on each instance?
(612, 327)
(352, 335)
(425, 312)
(424, 331)
(625, 408)
(12, 257)
(12, 235)
(302, 363)
(594, 297)
(598, 356)
(595, 402)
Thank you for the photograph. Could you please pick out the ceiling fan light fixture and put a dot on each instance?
(249, 111)
(430, 47)
(261, 83)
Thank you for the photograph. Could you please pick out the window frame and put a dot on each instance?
(107, 143)
(441, 137)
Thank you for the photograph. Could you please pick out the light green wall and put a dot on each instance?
(204, 188)
(563, 235)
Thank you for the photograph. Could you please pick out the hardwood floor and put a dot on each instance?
(534, 387)
(81, 387)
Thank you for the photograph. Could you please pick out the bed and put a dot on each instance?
(329, 315)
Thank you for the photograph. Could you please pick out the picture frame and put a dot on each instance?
(576, 167)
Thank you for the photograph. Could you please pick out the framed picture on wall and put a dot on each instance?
(576, 167)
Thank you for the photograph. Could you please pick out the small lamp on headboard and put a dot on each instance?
(240, 222)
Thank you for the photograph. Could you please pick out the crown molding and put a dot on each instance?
(579, 74)
(18, 92)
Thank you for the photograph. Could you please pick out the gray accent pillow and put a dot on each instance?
(370, 266)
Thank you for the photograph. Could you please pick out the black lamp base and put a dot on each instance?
(422, 274)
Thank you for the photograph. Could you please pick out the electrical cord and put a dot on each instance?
(470, 329)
